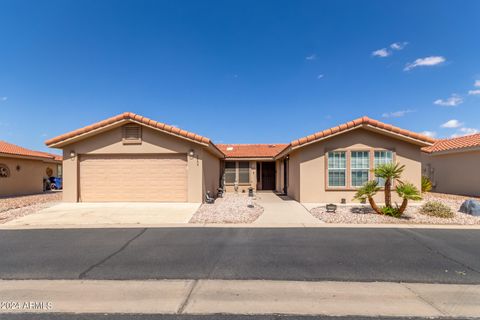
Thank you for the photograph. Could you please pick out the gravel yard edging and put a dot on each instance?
(363, 214)
(232, 208)
(19, 206)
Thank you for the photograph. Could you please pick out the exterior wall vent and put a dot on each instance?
(132, 134)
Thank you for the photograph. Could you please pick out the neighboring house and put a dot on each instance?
(453, 165)
(22, 170)
(132, 158)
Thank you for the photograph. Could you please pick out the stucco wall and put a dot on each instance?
(307, 165)
(455, 173)
(211, 173)
(153, 142)
(28, 180)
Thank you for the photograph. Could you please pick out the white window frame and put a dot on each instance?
(336, 169)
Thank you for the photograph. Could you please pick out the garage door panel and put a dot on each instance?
(133, 178)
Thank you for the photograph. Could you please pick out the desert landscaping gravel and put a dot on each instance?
(15, 207)
(364, 214)
(232, 208)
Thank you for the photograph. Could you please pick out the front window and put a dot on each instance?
(359, 165)
(237, 171)
(243, 172)
(337, 167)
(382, 157)
(230, 172)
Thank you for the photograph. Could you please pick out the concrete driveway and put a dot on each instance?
(108, 214)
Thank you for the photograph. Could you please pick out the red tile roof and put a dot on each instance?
(12, 149)
(252, 150)
(128, 116)
(459, 143)
(364, 121)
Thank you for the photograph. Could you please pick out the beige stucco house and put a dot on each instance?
(133, 158)
(22, 170)
(453, 165)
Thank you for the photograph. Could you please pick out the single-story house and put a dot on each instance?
(22, 171)
(453, 165)
(133, 158)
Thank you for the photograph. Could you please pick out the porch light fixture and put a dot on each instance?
(72, 154)
(191, 152)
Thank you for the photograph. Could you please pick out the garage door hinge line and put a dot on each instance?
(84, 273)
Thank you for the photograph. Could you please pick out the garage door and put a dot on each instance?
(133, 178)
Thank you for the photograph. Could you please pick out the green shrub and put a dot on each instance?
(391, 211)
(436, 209)
(426, 184)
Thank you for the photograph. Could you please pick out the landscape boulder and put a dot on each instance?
(471, 207)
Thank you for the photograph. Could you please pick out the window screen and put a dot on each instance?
(337, 165)
(359, 165)
(243, 172)
(230, 172)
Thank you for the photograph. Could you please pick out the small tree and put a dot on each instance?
(367, 191)
(426, 184)
(390, 172)
(407, 191)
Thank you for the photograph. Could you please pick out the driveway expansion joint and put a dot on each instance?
(184, 303)
(423, 299)
(83, 274)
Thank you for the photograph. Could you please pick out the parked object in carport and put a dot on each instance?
(55, 183)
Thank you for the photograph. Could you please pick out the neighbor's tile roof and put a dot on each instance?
(9, 148)
(357, 123)
(128, 116)
(251, 150)
(459, 143)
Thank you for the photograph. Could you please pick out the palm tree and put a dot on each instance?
(389, 172)
(407, 191)
(367, 191)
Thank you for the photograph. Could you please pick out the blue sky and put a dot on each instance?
(238, 71)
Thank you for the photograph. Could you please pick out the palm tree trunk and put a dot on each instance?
(374, 205)
(388, 193)
(403, 206)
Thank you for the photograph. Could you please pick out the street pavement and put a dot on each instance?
(300, 254)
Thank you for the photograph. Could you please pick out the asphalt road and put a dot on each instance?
(188, 317)
(341, 254)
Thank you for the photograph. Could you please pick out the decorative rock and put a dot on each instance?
(471, 207)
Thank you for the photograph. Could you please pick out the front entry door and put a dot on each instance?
(268, 175)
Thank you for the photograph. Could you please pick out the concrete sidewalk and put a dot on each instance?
(282, 210)
(242, 297)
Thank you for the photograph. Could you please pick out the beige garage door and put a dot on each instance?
(133, 178)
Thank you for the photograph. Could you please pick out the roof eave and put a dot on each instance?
(82, 136)
(451, 151)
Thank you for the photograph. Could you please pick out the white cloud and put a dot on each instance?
(425, 62)
(382, 53)
(453, 101)
(477, 83)
(3, 98)
(320, 76)
(473, 92)
(464, 132)
(398, 45)
(431, 134)
(313, 56)
(452, 124)
(396, 114)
